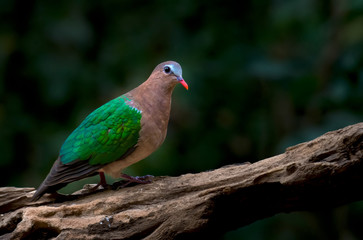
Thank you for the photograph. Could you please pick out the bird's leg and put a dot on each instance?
(102, 182)
(137, 179)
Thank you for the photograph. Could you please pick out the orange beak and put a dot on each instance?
(182, 82)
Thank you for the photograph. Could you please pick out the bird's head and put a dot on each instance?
(169, 73)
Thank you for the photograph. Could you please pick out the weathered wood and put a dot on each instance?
(322, 173)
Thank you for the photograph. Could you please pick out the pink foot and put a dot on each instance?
(102, 182)
(138, 179)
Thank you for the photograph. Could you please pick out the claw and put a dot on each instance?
(102, 182)
(138, 179)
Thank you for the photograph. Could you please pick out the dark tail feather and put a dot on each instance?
(45, 187)
(42, 189)
(62, 174)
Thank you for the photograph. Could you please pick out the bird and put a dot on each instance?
(118, 134)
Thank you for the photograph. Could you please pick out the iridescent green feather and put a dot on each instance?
(105, 135)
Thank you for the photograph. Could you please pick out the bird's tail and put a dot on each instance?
(45, 186)
(62, 174)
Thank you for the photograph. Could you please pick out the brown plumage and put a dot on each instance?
(151, 100)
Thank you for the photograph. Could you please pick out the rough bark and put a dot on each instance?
(321, 173)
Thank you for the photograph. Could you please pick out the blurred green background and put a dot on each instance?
(263, 75)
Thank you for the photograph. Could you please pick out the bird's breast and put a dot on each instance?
(154, 123)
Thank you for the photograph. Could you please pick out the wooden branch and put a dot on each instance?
(322, 173)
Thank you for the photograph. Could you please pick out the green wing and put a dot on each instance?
(105, 135)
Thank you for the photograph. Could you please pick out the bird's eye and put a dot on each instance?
(167, 69)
